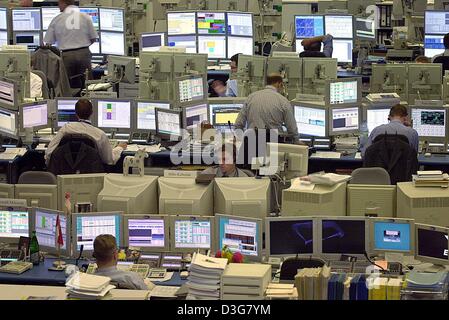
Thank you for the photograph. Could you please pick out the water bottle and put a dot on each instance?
(34, 249)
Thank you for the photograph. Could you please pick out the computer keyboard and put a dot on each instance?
(7, 256)
(16, 267)
(340, 266)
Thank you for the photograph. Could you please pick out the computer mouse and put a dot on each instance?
(184, 274)
(427, 155)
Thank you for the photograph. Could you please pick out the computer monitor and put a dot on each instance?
(65, 111)
(309, 26)
(14, 223)
(294, 159)
(3, 38)
(191, 233)
(344, 92)
(251, 74)
(224, 112)
(241, 45)
(376, 117)
(290, 236)
(392, 235)
(213, 46)
(6, 191)
(240, 234)
(246, 197)
(291, 71)
(432, 244)
(194, 115)
(146, 114)
(379, 200)
(38, 195)
(430, 122)
(48, 14)
(365, 28)
(112, 43)
(183, 196)
(122, 69)
(168, 123)
(315, 73)
(424, 81)
(387, 78)
(152, 41)
(114, 114)
(112, 19)
(187, 42)
(83, 190)
(186, 63)
(34, 115)
(44, 223)
(26, 19)
(8, 94)
(8, 123)
(87, 226)
(149, 233)
(339, 26)
(344, 120)
(343, 235)
(190, 88)
(240, 24)
(30, 39)
(329, 6)
(93, 13)
(211, 22)
(130, 194)
(343, 50)
(179, 23)
(433, 45)
(311, 120)
(435, 22)
(3, 18)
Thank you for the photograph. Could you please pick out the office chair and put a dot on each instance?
(290, 267)
(37, 177)
(375, 175)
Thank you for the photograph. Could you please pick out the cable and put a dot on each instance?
(372, 262)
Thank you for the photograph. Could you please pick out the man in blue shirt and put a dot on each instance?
(398, 125)
(312, 47)
(231, 84)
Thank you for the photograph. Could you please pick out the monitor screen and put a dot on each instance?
(436, 22)
(240, 45)
(433, 45)
(240, 24)
(93, 14)
(195, 234)
(35, 115)
(181, 23)
(188, 42)
(66, 111)
(30, 39)
(429, 122)
(309, 26)
(213, 46)
(376, 117)
(392, 236)
(346, 119)
(48, 14)
(26, 19)
(45, 226)
(311, 121)
(3, 19)
(365, 28)
(14, 223)
(114, 114)
(8, 122)
(343, 237)
(339, 26)
(146, 114)
(432, 243)
(113, 43)
(7, 90)
(95, 47)
(169, 123)
(195, 115)
(3, 38)
(191, 89)
(222, 114)
(291, 237)
(343, 92)
(211, 22)
(88, 227)
(146, 233)
(152, 42)
(112, 20)
(239, 235)
(343, 50)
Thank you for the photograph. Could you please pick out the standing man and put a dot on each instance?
(312, 47)
(73, 33)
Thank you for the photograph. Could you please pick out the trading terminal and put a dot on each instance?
(346, 209)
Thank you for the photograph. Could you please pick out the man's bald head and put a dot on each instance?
(83, 109)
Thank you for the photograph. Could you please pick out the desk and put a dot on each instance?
(175, 281)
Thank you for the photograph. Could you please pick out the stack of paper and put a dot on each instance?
(205, 277)
(431, 179)
(88, 286)
(311, 283)
(428, 286)
(281, 291)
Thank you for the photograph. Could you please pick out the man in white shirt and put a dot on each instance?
(231, 84)
(83, 109)
(35, 86)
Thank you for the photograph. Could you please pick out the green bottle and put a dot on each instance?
(34, 249)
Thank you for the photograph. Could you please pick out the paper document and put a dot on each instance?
(326, 155)
(300, 185)
(150, 149)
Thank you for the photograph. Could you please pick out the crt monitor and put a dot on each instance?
(433, 45)
(240, 24)
(344, 92)
(112, 43)
(146, 114)
(44, 222)
(122, 69)
(187, 42)
(8, 93)
(168, 123)
(213, 46)
(294, 157)
(14, 223)
(34, 115)
(211, 23)
(290, 236)
(112, 19)
(432, 244)
(151, 42)
(114, 114)
(194, 115)
(48, 14)
(87, 226)
(429, 122)
(309, 26)
(65, 111)
(339, 26)
(8, 123)
(311, 120)
(26, 19)
(191, 233)
(38, 195)
(240, 234)
(344, 120)
(237, 45)
(392, 235)
(149, 233)
(190, 88)
(365, 28)
(179, 23)
(376, 117)
(343, 235)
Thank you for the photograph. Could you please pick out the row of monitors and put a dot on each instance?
(4, 27)
(436, 25)
(327, 236)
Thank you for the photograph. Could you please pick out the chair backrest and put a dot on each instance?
(45, 87)
(444, 60)
(37, 177)
(290, 267)
(375, 175)
(76, 139)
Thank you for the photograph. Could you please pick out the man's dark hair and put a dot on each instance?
(216, 83)
(235, 58)
(273, 79)
(446, 40)
(398, 111)
(83, 109)
(105, 246)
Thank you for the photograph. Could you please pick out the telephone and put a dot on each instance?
(157, 273)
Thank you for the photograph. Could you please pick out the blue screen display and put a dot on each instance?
(309, 26)
(392, 236)
(239, 235)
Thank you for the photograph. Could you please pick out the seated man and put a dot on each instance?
(398, 125)
(35, 86)
(422, 59)
(312, 47)
(227, 167)
(106, 255)
(231, 84)
(83, 109)
(218, 88)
